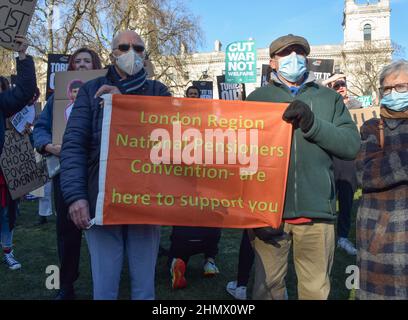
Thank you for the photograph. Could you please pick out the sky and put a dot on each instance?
(264, 20)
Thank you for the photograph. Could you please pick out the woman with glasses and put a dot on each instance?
(382, 219)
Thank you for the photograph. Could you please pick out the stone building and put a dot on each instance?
(365, 49)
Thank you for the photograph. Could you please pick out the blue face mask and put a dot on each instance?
(396, 101)
(292, 67)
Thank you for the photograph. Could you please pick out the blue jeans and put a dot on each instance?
(6, 235)
(108, 246)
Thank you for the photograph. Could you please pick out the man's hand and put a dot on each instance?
(299, 115)
(271, 235)
(79, 213)
(22, 46)
(54, 149)
(105, 89)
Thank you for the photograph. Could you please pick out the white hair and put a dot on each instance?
(395, 67)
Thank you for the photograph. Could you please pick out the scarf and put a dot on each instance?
(389, 114)
(131, 84)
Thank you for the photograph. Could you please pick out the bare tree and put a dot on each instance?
(168, 28)
(365, 64)
(6, 60)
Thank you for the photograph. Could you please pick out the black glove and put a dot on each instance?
(299, 115)
(271, 235)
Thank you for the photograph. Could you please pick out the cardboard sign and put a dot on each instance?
(206, 89)
(67, 85)
(18, 163)
(362, 115)
(178, 162)
(56, 63)
(15, 18)
(266, 75)
(230, 91)
(240, 62)
(322, 68)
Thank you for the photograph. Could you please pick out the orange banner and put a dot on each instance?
(192, 162)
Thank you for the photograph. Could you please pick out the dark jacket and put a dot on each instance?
(13, 100)
(310, 190)
(42, 133)
(82, 140)
(345, 171)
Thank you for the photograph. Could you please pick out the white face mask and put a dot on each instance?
(131, 63)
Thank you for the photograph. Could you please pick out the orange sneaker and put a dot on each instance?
(177, 270)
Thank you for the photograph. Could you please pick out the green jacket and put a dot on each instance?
(310, 191)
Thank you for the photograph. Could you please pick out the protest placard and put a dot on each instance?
(18, 163)
(67, 85)
(206, 89)
(366, 101)
(240, 62)
(23, 118)
(230, 91)
(360, 116)
(56, 63)
(322, 68)
(192, 162)
(15, 18)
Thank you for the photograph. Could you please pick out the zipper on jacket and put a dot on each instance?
(331, 192)
(296, 199)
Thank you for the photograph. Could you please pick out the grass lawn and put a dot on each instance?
(35, 248)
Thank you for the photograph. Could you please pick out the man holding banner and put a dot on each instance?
(323, 128)
(80, 175)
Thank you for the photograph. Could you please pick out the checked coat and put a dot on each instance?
(382, 219)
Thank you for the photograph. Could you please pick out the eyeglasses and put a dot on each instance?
(126, 47)
(287, 51)
(400, 88)
(339, 84)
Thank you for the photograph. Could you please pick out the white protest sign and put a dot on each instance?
(24, 117)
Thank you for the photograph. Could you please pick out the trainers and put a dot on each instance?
(177, 271)
(11, 262)
(210, 269)
(346, 245)
(239, 293)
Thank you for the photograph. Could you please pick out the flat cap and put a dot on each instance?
(286, 41)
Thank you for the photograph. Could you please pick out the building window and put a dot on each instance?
(367, 32)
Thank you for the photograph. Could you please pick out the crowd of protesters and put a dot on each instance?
(329, 161)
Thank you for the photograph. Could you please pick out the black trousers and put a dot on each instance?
(246, 260)
(189, 241)
(69, 240)
(345, 193)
